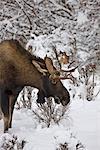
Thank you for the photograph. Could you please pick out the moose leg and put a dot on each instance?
(12, 100)
(4, 99)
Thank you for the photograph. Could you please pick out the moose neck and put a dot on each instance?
(30, 76)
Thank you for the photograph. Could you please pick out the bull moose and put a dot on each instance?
(18, 68)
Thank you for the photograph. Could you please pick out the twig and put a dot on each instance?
(55, 51)
(59, 7)
(38, 116)
(29, 6)
(25, 15)
(97, 93)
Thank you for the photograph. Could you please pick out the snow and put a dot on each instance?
(81, 18)
(84, 124)
(86, 120)
(38, 139)
(83, 121)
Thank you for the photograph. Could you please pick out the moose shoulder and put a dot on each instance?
(18, 68)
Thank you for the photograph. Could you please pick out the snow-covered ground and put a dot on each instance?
(84, 123)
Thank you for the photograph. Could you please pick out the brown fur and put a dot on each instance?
(17, 71)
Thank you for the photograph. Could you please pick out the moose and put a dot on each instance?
(18, 68)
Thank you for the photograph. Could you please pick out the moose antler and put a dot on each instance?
(55, 74)
(69, 70)
(49, 65)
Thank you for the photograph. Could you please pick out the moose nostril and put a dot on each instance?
(65, 102)
(57, 100)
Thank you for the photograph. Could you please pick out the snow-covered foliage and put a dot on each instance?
(31, 135)
(10, 142)
(79, 20)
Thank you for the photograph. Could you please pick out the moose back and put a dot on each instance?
(18, 68)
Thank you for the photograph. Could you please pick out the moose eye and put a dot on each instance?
(53, 81)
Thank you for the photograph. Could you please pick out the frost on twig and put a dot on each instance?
(49, 112)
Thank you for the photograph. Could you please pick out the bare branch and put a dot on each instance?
(55, 51)
(25, 14)
(30, 6)
(59, 7)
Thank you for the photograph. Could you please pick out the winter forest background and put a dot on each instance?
(43, 26)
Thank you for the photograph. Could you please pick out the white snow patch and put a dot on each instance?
(86, 122)
(81, 18)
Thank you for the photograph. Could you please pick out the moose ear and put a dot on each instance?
(43, 71)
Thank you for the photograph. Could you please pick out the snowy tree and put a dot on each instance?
(22, 19)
